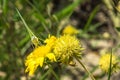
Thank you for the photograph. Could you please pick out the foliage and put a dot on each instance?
(25, 25)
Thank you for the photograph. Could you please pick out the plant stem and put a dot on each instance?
(56, 76)
(110, 68)
(86, 28)
(85, 68)
(43, 76)
(26, 26)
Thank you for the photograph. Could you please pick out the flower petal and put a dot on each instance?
(51, 57)
(41, 61)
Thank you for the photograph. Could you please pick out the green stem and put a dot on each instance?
(85, 69)
(42, 78)
(26, 26)
(93, 70)
(110, 68)
(56, 76)
(86, 28)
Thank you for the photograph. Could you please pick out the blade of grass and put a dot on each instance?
(86, 28)
(44, 75)
(110, 68)
(68, 10)
(38, 15)
(95, 26)
(93, 70)
(53, 72)
(26, 26)
(5, 7)
(0, 4)
(23, 41)
(89, 73)
(34, 39)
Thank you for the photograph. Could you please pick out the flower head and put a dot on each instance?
(37, 58)
(50, 40)
(70, 30)
(66, 47)
(104, 63)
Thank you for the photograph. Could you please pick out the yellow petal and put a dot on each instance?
(51, 57)
(41, 61)
(69, 29)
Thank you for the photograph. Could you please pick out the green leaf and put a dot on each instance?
(38, 15)
(67, 11)
(5, 6)
(4, 56)
(86, 28)
(23, 41)
(40, 18)
(26, 26)
(118, 29)
(93, 27)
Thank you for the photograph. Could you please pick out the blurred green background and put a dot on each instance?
(97, 21)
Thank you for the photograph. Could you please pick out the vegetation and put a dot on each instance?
(59, 39)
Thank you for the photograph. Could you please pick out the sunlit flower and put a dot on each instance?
(104, 63)
(38, 58)
(70, 30)
(50, 40)
(66, 47)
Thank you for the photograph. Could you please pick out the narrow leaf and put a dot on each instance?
(68, 10)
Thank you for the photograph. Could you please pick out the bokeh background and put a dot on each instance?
(97, 21)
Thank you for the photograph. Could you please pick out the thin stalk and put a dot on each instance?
(93, 70)
(87, 25)
(56, 76)
(85, 69)
(43, 76)
(26, 26)
(110, 68)
(5, 6)
(34, 39)
(46, 29)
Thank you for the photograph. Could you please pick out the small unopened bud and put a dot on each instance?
(35, 40)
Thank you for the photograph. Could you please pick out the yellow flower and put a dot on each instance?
(104, 62)
(66, 47)
(50, 41)
(70, 30)
(37, 58)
